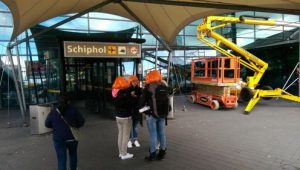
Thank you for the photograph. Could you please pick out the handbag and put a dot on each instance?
(75, 131)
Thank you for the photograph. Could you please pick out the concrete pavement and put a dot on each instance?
(268, 138)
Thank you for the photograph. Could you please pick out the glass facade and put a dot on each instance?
(185, 47)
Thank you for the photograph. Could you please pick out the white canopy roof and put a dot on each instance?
(165, 18)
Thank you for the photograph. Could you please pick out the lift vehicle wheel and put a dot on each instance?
(246, 113)
(236, 105)
(267, 88)
(214, 105)
(192, 98)
(246, 94)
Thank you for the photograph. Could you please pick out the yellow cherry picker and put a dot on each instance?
(249, 92)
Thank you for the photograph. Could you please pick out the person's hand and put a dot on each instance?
(133, 94)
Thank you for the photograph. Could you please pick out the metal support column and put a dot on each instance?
(184, 62)
(139, 71)
(156, 51)
(8, 98)
(32, 70)
(169, 65)
(20, 77)
(9, 54)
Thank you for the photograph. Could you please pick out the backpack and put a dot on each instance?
(162, 100)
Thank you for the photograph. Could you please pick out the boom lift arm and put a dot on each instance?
(206, 29)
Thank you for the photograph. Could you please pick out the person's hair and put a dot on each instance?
(63, 98)
(153, 76)
(120, 83)
(132, 78)
(63, 102)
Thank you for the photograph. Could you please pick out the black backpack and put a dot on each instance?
(162, 100)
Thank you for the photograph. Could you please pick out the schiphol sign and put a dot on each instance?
(101, 50)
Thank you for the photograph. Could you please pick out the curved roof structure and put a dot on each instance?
(165, 18)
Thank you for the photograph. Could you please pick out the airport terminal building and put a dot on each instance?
(79, 47)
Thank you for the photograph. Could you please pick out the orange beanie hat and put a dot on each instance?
(132, 78)
(120, 83)
(153, 76)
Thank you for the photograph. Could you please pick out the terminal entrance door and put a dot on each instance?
(91, 79)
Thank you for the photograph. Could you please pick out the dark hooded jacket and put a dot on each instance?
(135, 102)
(61, 131)
(122, 104)
(148, 98)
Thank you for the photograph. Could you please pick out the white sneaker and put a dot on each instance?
(129, 145)
(127, 156)
(158, 145)
(136, 143)
(120, 155)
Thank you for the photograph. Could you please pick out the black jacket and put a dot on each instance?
(61, 131)
(146, 98)
(135, 101)
(122, 104)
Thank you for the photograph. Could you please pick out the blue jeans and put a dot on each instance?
(157, 131)
(61, 153)
(134, 130)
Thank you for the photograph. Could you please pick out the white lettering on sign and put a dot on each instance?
(86, 50)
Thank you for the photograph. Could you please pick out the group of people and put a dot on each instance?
(129, 98)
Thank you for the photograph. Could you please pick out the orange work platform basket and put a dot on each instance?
(215, 81)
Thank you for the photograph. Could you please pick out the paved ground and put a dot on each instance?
(268, 138)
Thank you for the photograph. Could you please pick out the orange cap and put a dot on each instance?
(132, 78)
(120, 83)
(153, 76)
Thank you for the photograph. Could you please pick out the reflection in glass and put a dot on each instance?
(106, 25)
(6, 33)
(3, 7)
(191, 30)
(53, 21)
(6, 19)
(106, 16)
(244, 41)
(249, 33)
